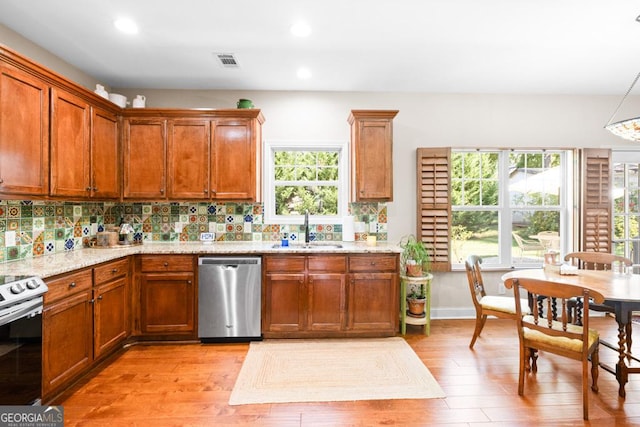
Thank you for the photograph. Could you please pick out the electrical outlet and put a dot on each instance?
(207, 237)
(501, 289)
(178, 227)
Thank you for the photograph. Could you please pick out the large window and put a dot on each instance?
(305, 177)
(508, 206)
(626, 212)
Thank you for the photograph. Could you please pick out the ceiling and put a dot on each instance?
(439, 46)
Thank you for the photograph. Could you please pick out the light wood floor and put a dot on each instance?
(181, 385)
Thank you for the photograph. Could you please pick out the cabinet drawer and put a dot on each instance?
(167, 263)
(328, 263)
(113, 270)
(68, 284)
(373, 263)
(284, 264)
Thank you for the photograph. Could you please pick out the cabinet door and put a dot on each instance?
(145, 159)
(188, 169)
(67, 340)
(111, 315)
(105, 155)
(234, 151)
(168, 302)
(372, 155)
(373, 302)
(326, 302)
(285, 306)
(24, 133)
(70, 140)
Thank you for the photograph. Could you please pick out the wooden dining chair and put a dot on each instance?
(486, 305)
(544, 332)
(596, 261)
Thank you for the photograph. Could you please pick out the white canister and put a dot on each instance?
(119, 100)
(101, 91)
(139, 101)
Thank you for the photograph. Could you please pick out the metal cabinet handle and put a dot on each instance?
(114, 271)
(166, 264)
(188, 282)
(100, 297)
(72, 284)
(88, 188)
(162, 191)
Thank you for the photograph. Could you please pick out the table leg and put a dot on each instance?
(621, 367)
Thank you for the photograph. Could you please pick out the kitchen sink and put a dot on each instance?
(309, 246)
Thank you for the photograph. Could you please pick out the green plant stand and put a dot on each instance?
(404, 318)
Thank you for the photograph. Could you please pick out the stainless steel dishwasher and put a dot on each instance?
(229, 295)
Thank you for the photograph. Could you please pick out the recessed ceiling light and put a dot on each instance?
(126, 25)
(300, 29)
(304, 73)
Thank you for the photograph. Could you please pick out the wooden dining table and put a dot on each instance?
(621, 292)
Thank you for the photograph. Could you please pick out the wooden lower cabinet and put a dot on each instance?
(67, 341)
(81, 322)
(373, 294)
(67, 324)
(318, 296)
(168, 296)
(111, 306)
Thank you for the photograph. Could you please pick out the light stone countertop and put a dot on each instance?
(51, 265)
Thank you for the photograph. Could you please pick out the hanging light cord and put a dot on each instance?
(624, 97)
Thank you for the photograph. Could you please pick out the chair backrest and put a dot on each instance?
(553, 294)
(474, 276)
(518, 239)
(595, 260)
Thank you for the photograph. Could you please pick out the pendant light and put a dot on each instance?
(630, 128)
(627, 129)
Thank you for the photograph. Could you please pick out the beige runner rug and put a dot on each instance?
(323, 370)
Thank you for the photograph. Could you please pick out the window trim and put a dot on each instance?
(342, 147)
(505, 209)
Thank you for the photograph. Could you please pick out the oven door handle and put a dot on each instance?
(28, 308)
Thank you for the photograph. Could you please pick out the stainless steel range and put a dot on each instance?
(21, 339)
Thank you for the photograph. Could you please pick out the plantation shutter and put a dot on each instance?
(434, 204)
(595, 200)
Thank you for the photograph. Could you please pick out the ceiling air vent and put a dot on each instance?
(227, 60)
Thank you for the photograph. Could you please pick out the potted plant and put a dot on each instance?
(416, 301)
(415, 259)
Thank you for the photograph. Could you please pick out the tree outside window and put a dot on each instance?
(306, 180)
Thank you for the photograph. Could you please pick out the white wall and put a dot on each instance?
(424, 120)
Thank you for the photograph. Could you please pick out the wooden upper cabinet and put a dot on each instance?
(372, 154)
(24, 133)
(70, 139)
(189, 150)
(145, 159)
(235, 153)
(216, 156)
(105, 155)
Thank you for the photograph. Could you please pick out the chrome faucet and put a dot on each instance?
(306, 226)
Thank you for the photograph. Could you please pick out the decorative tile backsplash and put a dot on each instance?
(36, 228)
